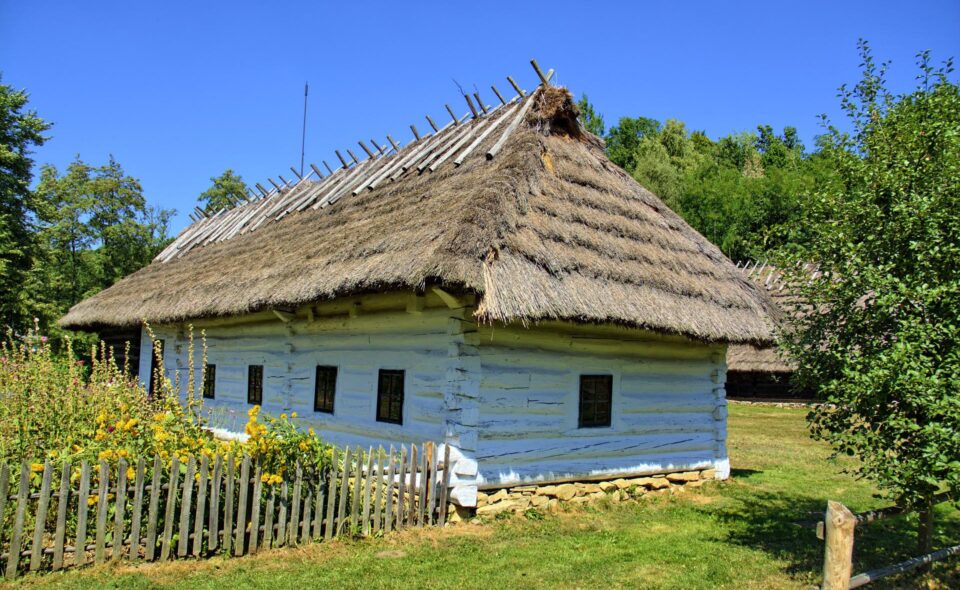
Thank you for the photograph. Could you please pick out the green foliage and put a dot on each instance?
(227, 190)
(94, 227)
(20, 131)
(882, 341)
(591, 119)
(624, 138)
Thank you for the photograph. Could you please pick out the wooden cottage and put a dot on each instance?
(497, 284)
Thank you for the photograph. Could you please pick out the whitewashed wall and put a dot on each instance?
(668, 409)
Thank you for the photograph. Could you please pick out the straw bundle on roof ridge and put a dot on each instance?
(549, 228)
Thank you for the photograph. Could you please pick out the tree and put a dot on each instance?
(20, 131)
(591, 119)
(227, 190)
(95, 227)
(880, 340)
(625, 137)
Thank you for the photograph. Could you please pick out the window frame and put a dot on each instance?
(591, 421)
(381, 395)
(209, 381)
(251, 372)
(317, 406)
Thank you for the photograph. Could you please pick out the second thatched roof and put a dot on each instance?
(533, 218)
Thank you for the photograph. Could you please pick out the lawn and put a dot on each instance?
(738, 534)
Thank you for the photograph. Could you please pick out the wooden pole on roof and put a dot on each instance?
(365, 148)
(473, 109)
(277, 186)
(262, 190)
(543, 78)
(415, 132)
(295, 173)
(393, 143)
(316, 170)
(327, 166)
(516, 86)
(497, 92)
(377, 145)
(199, 211)
(434, 125)
(450, 110)
(482, 106)
(284, 180)
(342, 159)
(192, 217)
(356, 160)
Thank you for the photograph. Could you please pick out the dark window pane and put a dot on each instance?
(325, 389)
(390, 396)
(210, 382)
(255, 384)
(596, 393)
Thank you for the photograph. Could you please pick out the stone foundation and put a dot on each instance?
(521, 498)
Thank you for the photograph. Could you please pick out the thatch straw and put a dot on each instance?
(548, 229)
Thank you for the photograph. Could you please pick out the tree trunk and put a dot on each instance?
(925, 530)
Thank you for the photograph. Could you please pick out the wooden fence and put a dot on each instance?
(837, 531)
(222, 505)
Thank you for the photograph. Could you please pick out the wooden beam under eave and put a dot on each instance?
(416, 303)
(284, 316)
(451, 300)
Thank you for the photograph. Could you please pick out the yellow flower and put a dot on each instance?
(293, 414)
(92, 500)
(311, 432)
(131, 423)
(131, 473)
(36, 467)
(283, 416)
(265, 478)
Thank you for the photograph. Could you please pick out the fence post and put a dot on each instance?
(838, 547)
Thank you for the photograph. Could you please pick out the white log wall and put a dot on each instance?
(508, 396)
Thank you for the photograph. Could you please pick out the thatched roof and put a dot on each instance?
(534, 219)
(765, 358)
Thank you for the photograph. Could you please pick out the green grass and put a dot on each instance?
(739, 534)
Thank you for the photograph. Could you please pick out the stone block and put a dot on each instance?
(683, 476)
(567, 491)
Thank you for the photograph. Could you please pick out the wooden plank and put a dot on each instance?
(293, 525)
(169, 512)
(23, 497)
(136, 518)
(120, 509)
(255, 507)
(103, 490)
(445, 486)
(838, 547)
(331, 496)
(391, 471)
(318, 511)
(355, 497)
(199, 517)
(213, 528)
(422, 484)
(230, 480)
(186, 501)
(412, 486)
(268, 519)
(432, 486)
(378, 496)
(402, 486)
(4, 491)
(510, 129)
(307, 515)
(153, 512)
(368, 481)
(80, 553)
(344, 492)
(282, 515)
(60, 534)
(238, 543)
(43, 504)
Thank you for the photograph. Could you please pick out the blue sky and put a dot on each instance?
(179, 91)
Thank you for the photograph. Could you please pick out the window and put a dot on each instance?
(255, 384)
(596, 393)
(390, 396)
(156, 355)
(324, 389)
(210, 382)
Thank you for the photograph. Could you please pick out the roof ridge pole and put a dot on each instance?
(264, 191)
(393, 143)
(473, 109)
(297, 174)
(452, 115)
(277, 186)
(497, 92)
(543, 78)
(316, 170)
(483, 107)
(516, 87)
(377, 145)
(327, 166)
(416, 133)
(365, 148)
(434, 125)
(356, 160)
(342, 159)
(285, 181)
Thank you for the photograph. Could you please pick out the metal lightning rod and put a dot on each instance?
(303, 137)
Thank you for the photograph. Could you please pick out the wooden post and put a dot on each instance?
(331, 497)
(80, 551)
(62, 505)
(838, 547)
(23, 497)
(255, 507)
(102, 498)
(186, 500)
(119, 510)
(137, 517)
(43, 504)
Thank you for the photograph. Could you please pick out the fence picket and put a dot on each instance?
(355, 497)
(402, 487)
(368, 480)
(307, 515)
(43, 504)
(282, 515)
(103, 492)
(344, 488)
(412, 509)
(378, 494)
(169, 513)
(80, 551)
(153, 511)
(331, 496)
(388, 492)
(444, 488)
(255, 510)
(119, 509)
(23, 496)
(4, 490)
(268, 520)
(424, 480)
(63, 502)
(213, 530)
(186, 501)
(201, 506)
(318, 509)
(238, 543)
(231, 481)
(136, 517)
(293, 526)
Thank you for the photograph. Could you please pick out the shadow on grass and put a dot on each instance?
(743, 473)
(771, 523)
